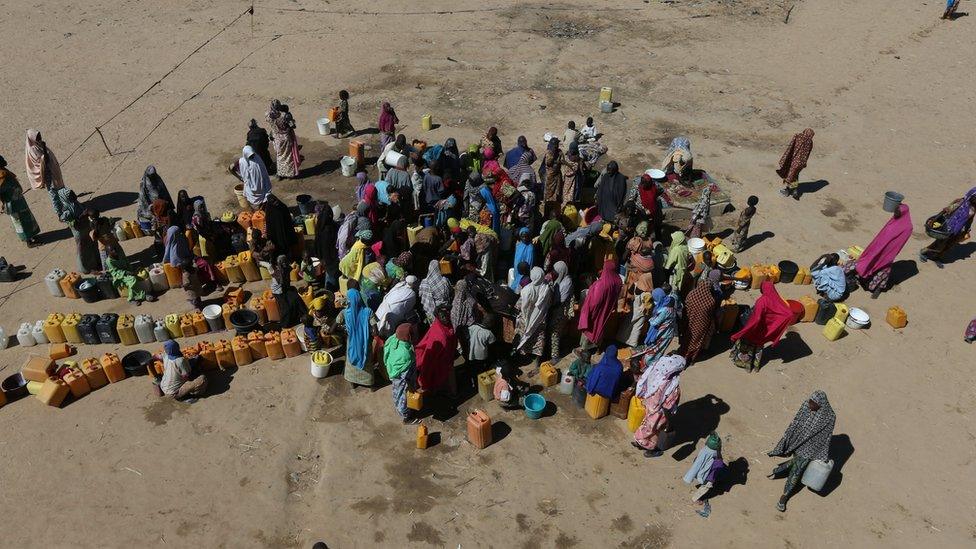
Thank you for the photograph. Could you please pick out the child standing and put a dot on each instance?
(742, 227)
(342, 123)
(588, 133)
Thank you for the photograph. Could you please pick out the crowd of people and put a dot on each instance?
(453, 263)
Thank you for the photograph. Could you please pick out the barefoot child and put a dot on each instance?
(742, 227)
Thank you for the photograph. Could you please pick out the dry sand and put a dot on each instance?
(278, 459)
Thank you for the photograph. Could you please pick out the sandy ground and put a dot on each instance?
(278, 459)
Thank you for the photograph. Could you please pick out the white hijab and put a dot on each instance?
(533, 305)
(397, 304)
(666, 369)
(257, 183)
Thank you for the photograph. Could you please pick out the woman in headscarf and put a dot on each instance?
(514, 154)
(873, 267)
(828, 277)
(793, 160)
(13, 204)
(121, 273)
(704, 471)
(574, 175)
(399, 305)
(523, 167)
(661, 327)
(257, 139)
(490, 164)
(351, 265)
(290, 305)
(524, 252)
(278, 224)
(698, 322)
(806, 439)
(491, 139)
(770, 318)
(640, 254)
(257, 183)
(558, 251)
(660, 391)
(184, 209)
(387, 124)
(436, 353)
(435, 290)
(552, 165)
(678, 160)
(432, 189)
(533, 310)
(450, 160)
(285, 140)
(562, 309)
(373, 282)
(604, 378)
(632, 325)
(958, 222)
(401, 361)
(599, 305)
(647, 198)
(678, 257)
(371, 199)
(360, 327)
(151, 189)
(493, 210)
(701, 219)
(176, 247)
(473, 201)
(200, 220)
(43, 169)
(611, 191)
(464, 310)
(81, 222)
(549, 229)
(326, 233)
(395, 239)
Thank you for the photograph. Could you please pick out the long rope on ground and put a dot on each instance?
(249, 10)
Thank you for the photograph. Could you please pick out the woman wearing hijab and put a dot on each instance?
(523, 167)
(604, 378)
(81, 221)
(151, 188)
(432, 189)
(660, 391)
(257, 139)
(533, 310)
(640, 254)
(400, 360)
(290, 305)
(611, 191)
(491, 139)
(13, 204)
(387, 124)
(524, 252)
(873, 267)
(806, 439)
(123, 276)
(464, 309)
(184, 209)
(828, 277)
(678, 160)
(278, 224)
(647, 198)
(257, 183)
(399, 305)
(599, 305)
(360, 329)
(574, 175)
(701, 219)
(326, 233)
(435, 290)
(514, 154)
(698, 322)
(490, 164)
(677, 262)
(661, 327)
(562, 309)
(178, 380)
(436, 353)
(552, 166)
(176, 247)
(558, 251)
(958, 222)
(352, 264)
(770, 318)
(288, 159)
(632, 325)
(43, 169)
(794, 159)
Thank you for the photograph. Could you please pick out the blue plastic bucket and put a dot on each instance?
(534, 405)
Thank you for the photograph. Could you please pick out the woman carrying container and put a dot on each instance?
(659, 389)
(958, 222)
(873, 267)
(806, 439)
(770, 318)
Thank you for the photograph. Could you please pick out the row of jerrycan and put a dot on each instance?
(56, 383)
(92, 329)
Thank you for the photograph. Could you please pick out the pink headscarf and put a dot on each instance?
(883, 250)
(371, 198)
(388, 118)
(600, 302)
(770, 318)
(435, 356)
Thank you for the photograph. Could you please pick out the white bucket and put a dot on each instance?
(212, 311)
(696, 246)
(348, 165)
(320, 369)
(392, 158)
(324, 125)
